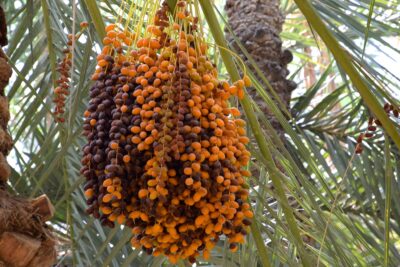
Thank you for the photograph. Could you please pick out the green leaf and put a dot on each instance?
(343, 58)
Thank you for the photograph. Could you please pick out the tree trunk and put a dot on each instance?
(25, 239)
(5, 74)
(257, 24)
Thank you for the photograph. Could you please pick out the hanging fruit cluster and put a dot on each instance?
(62, 90)
(166, 155)
(373, 124)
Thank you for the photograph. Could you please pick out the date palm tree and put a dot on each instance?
(346, 211)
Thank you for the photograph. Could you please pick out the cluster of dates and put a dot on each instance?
(166, 154)
(373, 124)
(61, 91)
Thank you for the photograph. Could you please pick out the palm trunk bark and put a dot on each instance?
(25, 239)
(5, 74)
(257, 24)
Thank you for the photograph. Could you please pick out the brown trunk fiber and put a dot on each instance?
(43, 207)
(257, 24)
(17, 249)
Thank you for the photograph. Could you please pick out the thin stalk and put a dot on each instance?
(219, 38)
(343, 58)
(388, 193)
(255, 230)
(69, 214)
(50, 47)
(371, 11)
(96, 18)
(262, 250)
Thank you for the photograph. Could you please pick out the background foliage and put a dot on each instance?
(345, 206)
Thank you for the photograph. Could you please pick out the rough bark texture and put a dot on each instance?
(5, 74)
(43, 207)
(3, 29)
(23, 229)
(257, 24)
(25, 239)
(18, 249)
